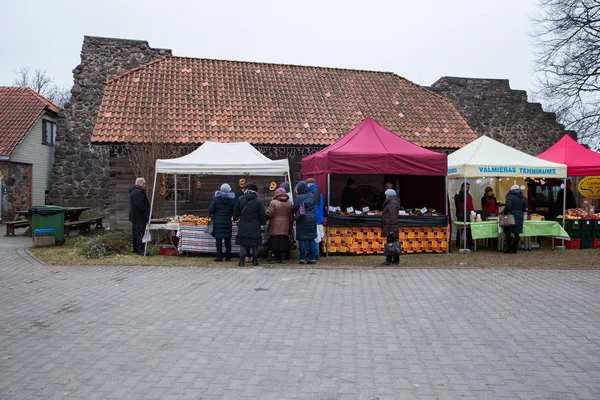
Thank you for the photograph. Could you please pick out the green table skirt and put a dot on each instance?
(489, 229)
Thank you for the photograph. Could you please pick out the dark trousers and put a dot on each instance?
(249, 250)
(137, 233)
(459, 231)
(512, 241)
(227, 248)
(392, 237)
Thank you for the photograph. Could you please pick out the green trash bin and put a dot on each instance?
(49, 217)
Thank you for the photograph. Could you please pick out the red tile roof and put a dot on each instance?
(189, 100)
(19, 110)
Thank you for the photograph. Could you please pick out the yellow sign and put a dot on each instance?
(590, 187)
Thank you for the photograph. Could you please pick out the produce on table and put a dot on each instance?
(578, 213)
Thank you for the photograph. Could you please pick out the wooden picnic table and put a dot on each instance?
(72, 214)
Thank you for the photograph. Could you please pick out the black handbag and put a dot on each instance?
(392, 249)
(210, 228)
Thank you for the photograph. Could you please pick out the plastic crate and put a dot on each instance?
(587, 224)
(586, 243)
(586, 235)
(168, 251)
(596, 234)
(574, 234)
(569, 244)
(571, 224)
(596, 224)
(595, 243)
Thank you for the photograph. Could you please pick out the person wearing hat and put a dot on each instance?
(515, 205)
(221, 211)
(279, 213)
(139, 213)
(306, 227)
(349, 196)
(389, 219)
(292, 233)
(249, 210)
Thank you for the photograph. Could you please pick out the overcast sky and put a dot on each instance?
(419, 40)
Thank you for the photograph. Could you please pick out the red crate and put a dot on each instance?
(569, 244)
(596, 243)
(168, 251)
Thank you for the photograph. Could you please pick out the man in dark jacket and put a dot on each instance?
(571, 203)
(389, 219)
(306, 227)
(349, 196)
(221, 211)
(139, 212)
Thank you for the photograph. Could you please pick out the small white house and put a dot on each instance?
(27, 138)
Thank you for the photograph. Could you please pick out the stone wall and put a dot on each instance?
(17, 177)
(492, 108)
(81, 172)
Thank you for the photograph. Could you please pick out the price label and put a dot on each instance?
(423, 210)
(401, 212)
(332, 209)
(356, 212)
(365, 209)
(349, 209)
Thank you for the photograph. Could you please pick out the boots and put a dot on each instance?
(515, 244)
(282, 257)
(254, 261)
(242, 262)
(508, 249)
(270, 258)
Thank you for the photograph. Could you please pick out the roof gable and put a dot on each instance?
(19, 110)
(188, 100)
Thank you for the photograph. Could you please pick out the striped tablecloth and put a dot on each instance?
(192, 239)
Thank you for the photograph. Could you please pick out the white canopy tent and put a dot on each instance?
(488, 157)
(214, 158)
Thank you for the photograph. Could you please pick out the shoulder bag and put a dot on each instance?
(506, 220)
(300, 212)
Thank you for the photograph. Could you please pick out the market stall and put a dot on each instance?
(371, 149)
(486, 157)
(214, 158)
(580, 162)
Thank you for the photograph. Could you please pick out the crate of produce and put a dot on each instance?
(586, 243)
(596, 243)
(571, 224)
(587, 224)
(569, 244)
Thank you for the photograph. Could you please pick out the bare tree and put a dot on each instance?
(568, 63)
(39, 81)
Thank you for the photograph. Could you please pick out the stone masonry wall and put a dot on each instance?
(17, 178)
(81, 171)
(492, 108)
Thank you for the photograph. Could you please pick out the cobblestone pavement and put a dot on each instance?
(195, 333)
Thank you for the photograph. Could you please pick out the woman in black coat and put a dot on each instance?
(221, 211)
(250, 211)
(306, 228)
(515, 205)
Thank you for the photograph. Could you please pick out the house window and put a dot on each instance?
(183, 188)
(48, 132)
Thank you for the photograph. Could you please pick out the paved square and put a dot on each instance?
(200, 333)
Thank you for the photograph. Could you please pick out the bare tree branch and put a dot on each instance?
(39, 81)
(568, 66)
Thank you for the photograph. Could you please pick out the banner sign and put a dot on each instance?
(590, 187)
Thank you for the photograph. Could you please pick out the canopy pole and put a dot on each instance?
(151, 206)
(564, 208)
(465, 250)
(328, 205)
(175, 175)
(447, 216)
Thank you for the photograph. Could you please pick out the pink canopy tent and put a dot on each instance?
(371, 149)
(579, 160)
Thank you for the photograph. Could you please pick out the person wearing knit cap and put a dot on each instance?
(319, 212)
(306, 226)
(515, 205)
(389, 219)
(139, 213)
(249, 210)
(220, 212)
(279, 213)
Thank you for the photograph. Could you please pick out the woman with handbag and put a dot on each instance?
(389, 218)
(306, 223)
(250, 211)
(279, 214)
(220, 213)
(516, 206)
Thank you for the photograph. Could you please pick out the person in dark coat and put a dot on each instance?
(389, 219)
(571, 203)
(139, 213)
(515, 205)
(292, 235)
(306, 228)
(459, 202)
(221, 211)
(280, 218)
(349, 196)
(249, 210)
(319, 212)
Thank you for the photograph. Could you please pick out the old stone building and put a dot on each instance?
(493, 109)
(127, 95)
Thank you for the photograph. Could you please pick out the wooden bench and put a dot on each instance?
(83, 225)
(11, 225)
